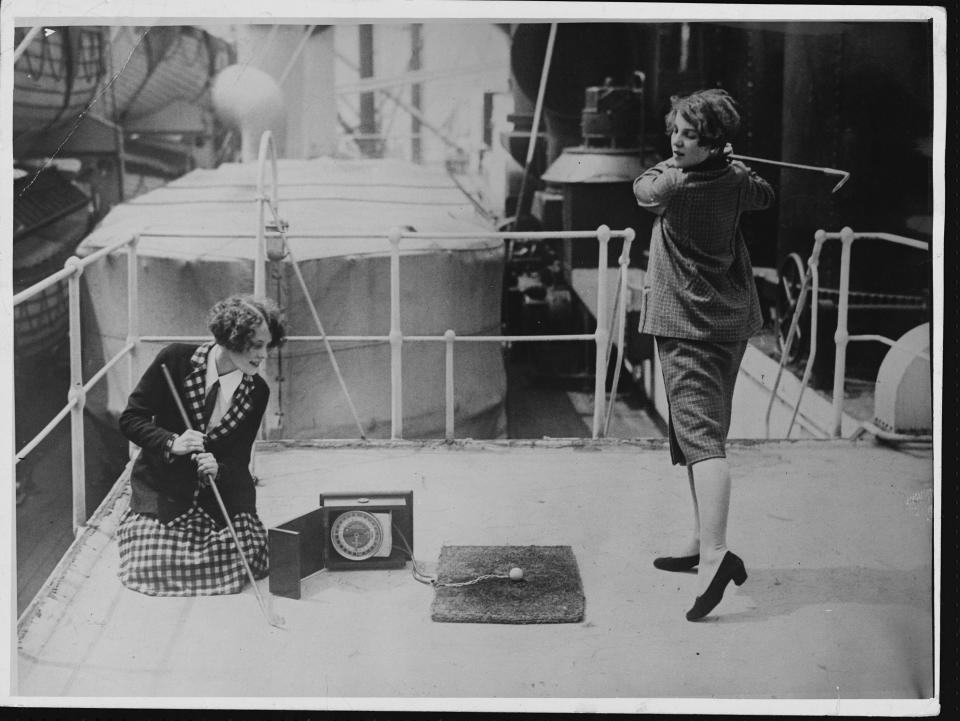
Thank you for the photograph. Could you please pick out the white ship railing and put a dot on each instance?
(77, 395)
(842, 337)
(271, 241)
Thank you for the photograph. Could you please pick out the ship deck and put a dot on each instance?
(837, 536)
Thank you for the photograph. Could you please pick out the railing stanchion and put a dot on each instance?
(449, 338)
(621, 319)
(260, 260)
(133, 319)
(78, 470)
(396, 340)
(602, 334)
(841, 336)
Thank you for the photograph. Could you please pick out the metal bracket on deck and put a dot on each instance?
(276, 241)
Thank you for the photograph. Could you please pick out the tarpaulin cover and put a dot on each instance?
(445, 284)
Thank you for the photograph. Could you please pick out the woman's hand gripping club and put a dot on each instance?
(191, 443)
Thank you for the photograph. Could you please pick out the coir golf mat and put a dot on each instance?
(550, 592)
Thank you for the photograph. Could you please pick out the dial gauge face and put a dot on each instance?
(356, 535)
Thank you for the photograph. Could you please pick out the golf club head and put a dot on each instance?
(844, 179)
(277, 621)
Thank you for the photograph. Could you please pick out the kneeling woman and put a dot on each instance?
(173, 540)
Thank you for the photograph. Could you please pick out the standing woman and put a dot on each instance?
(701, 306)
(173, 540)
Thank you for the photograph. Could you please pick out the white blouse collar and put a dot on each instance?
(228, 381)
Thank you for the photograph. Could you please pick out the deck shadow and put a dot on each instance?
(783, 591)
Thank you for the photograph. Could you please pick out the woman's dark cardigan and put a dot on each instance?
(166, 487)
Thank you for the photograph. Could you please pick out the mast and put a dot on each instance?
(368, 142)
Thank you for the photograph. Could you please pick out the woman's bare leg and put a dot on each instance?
(710, 481)
(693, 547)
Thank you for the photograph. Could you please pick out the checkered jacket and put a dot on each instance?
(699, 277)
(166, 485)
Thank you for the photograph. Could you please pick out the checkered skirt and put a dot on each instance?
(699, 377)
(191, 555)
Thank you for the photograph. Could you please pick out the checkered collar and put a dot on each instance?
(194, 385)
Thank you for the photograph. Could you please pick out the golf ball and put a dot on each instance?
(516, 574)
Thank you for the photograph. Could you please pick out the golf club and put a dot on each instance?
(272, 618)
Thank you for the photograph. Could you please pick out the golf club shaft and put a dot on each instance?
(828, 171)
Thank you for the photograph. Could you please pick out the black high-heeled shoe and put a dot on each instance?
(676, 563)
(730, 569)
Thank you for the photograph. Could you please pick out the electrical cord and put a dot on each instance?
(428, 580)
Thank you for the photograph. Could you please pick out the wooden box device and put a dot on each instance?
(349, 531)
(367, 531)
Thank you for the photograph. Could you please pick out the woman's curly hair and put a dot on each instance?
(712, 112)
(234, 322)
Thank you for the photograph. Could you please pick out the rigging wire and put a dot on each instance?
(280, 226)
